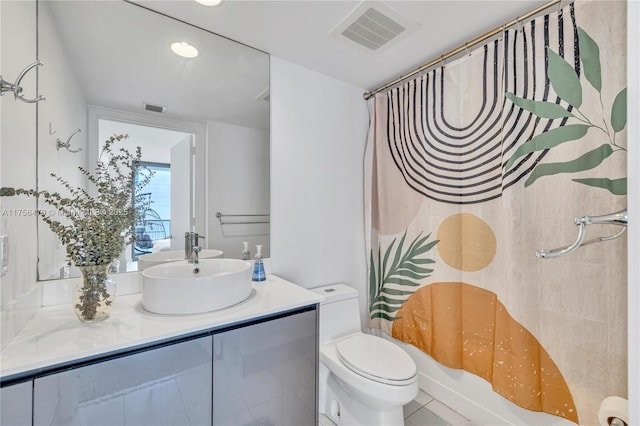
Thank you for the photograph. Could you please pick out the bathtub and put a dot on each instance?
(470, 395)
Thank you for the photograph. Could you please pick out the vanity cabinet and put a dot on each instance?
(170, 385)
(15, 402)
(265, 374)
(261, 371)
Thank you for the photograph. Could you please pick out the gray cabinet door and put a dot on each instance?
(265, 374)
(170, 385)
(15, 404)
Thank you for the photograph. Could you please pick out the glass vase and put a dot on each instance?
(94, 296)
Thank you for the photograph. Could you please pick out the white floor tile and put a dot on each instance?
(423, 398)
(424, 410)
(424, 417)
(411, 408)
(447, 414)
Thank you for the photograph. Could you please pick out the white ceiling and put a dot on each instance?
(298, 31)
(121, 57)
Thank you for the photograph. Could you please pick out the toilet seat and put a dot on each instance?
(376, 359)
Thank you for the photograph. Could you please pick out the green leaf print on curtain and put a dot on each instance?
(391, 283)
(566, 84)
(587, 161)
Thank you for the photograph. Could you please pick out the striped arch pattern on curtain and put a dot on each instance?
(463, 163)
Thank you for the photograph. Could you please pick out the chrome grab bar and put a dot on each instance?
(617, 218)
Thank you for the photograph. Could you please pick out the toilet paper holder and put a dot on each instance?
(614, 421)
(614, 411)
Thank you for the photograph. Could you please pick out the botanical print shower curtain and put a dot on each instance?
(474, 166)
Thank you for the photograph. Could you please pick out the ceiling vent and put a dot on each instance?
(374, 26)
(154, 108)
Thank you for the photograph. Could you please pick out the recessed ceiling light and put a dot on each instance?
(210, 2)
(184, 49)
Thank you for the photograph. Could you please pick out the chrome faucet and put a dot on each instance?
(191, 249)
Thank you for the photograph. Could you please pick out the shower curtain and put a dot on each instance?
(474, 166)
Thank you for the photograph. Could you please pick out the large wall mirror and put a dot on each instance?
(202, 123)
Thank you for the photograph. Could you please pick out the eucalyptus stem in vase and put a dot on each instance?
(96, 228)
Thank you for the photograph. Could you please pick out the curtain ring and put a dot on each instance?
(560, 10)
(466, 49)
(519, 23)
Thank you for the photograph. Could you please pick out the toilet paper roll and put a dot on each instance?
(613, 407)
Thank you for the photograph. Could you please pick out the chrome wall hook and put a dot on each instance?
(67, 144)
(5, 86)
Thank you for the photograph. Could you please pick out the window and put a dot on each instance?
(154, 228)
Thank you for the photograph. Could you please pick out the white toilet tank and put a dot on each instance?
(339, 312)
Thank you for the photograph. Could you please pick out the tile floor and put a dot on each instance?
(426, 411)
(423, 411)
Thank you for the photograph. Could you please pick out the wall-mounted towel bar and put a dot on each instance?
(239, 219)
(16, 89)
(618, 218)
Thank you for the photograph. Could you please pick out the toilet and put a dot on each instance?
(363, 379)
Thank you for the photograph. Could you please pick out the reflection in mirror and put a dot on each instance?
(202, 123)
(168, 154)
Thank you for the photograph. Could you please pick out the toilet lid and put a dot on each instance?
(376, 358)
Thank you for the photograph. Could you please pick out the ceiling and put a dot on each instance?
(298, 31)
(121, 58)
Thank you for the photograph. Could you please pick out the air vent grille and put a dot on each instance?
(374, 26)
(373, 29)
(154, 108)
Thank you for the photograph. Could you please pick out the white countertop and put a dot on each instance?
(55, 337)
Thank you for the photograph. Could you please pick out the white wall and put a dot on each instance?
(633, 200)
(227, 147)
(19, 294)
(318, 133)
(63, 112)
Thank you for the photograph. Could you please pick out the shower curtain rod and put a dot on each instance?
(461, 48)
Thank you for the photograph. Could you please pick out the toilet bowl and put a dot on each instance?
(364, 379)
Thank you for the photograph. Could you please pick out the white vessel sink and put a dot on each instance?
(173, 288)
(147, 260)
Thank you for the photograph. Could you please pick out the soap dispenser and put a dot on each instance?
(246, 254)
(258, 267)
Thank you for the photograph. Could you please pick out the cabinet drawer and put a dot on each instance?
(15, 402)
(169, 385)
